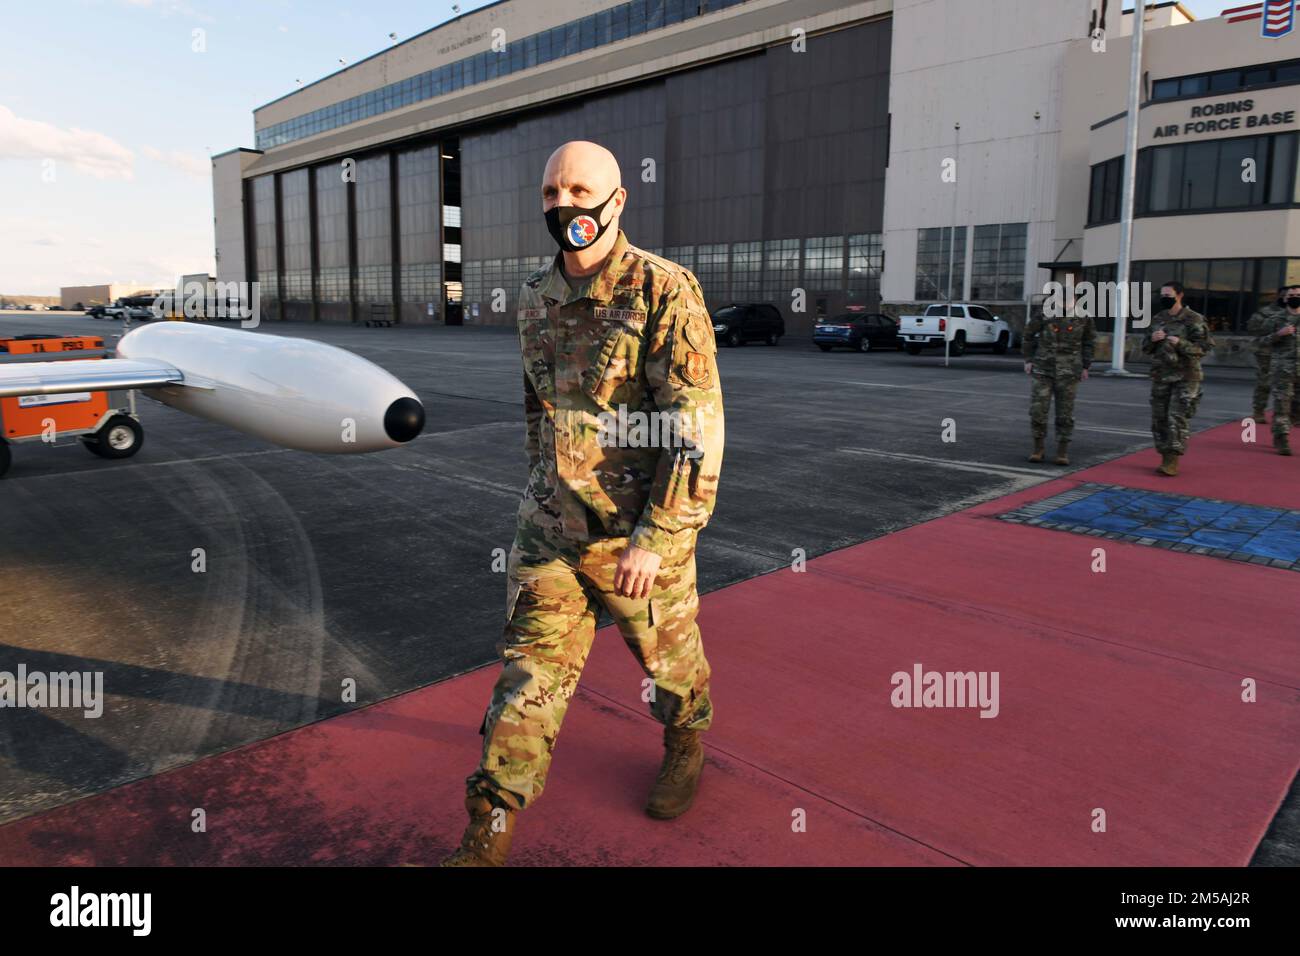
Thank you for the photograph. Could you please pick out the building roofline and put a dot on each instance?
(462, 16)
(1166, 3)
(237, 149)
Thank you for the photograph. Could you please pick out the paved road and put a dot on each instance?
(378, 569)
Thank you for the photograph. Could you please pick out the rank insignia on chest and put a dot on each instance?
(532, 313)
(696, 370)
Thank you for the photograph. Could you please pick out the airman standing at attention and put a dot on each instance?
(1178, 340)
(611, 512)
(1058, 353)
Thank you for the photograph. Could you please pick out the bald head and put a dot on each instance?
(580, 173)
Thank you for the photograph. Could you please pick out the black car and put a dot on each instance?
(737, 324)
(860, 331)
(96, 312)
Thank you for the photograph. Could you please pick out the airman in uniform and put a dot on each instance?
(1058, 353)
(1178, 339)
(1261, 326)
(1284, 346)
(623, 408)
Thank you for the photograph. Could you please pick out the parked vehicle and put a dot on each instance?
(860, 331)
(96, 312)
(737, 324)
(959, 323)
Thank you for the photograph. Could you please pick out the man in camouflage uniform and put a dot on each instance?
(1058, 353)
(1261, 326)
(1178, 339)
(609, 519)
(1284, 346)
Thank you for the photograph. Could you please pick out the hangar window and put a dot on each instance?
(711, 270)
(780, 268)
(1104, 196)
(1226, 81)
(823, 264)
(1207, 175)
(746, 269)
(939, 256)
(998, 262)
(866, 262)
(1225, 291)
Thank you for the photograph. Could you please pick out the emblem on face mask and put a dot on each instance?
(583, 230)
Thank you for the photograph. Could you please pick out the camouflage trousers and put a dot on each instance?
(555, 589)
(1172, 406)
(1042, 391)
(1263, 378)
(1286, 397)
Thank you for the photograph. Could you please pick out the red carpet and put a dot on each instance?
(1118, 692)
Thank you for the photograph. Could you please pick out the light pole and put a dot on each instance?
(1123, 270)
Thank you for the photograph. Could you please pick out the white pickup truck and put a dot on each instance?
(960, 323)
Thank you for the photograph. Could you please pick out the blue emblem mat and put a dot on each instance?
(1222, 529)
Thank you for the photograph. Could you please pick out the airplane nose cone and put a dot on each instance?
(404, 419)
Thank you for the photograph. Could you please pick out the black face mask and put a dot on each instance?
(574, 227)
(1293, 301)
(1168, 302)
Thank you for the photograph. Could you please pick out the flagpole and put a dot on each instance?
(1123, 267)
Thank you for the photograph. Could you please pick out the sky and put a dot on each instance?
(110, 109)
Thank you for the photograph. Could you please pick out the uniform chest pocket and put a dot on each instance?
(615, 361)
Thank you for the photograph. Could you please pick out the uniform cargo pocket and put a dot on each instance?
(612, 365)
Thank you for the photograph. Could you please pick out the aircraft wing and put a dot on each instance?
(85, 375)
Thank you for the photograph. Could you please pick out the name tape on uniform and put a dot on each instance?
(618, 315)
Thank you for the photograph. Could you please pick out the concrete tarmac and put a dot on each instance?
(376, 572)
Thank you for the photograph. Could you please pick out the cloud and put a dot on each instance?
(92, 153)
(200, 167)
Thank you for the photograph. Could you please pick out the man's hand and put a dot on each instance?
(636, 572)
(1084, 376)
(1286, 330)
(1158, 335)
(1174, 340)
(1029, 368)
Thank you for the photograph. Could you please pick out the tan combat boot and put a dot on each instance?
(1282, 445)
(482, 845)
(1039, 450)
(1169, 467)
(1061, 457)
(679, 776)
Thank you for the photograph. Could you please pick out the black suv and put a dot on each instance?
(737, 324)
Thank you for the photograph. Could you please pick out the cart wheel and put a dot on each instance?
(121, 437)
(5, 457)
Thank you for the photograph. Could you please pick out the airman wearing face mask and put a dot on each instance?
(1178, 339)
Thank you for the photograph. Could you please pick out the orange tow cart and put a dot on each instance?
(107, 432)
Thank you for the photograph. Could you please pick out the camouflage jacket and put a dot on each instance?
(1059, 345)
(1262, 325)
(600, 361)
(1181, 362)
(1284, 348)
